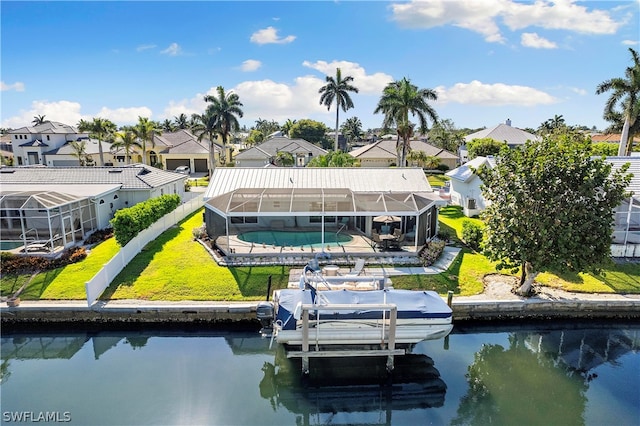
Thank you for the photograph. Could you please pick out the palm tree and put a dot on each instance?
(284, 159)
(626, 92)
(352, 129)
(167, 125)
(79, 150)
(100, 129)
(127, 140)
(207, 125)
(337, 89)
(400, 98)
(226, 107)
(181, 121)
(145, 130)
(38, 119)
(286, 127)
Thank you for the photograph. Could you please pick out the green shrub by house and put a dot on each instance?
(472, 233)
(127, 223)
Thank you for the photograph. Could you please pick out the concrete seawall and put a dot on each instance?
(464, 309)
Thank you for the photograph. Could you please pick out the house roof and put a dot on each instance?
(611, 137)
(129, 177)
(504, 132)
(357, 179)
(465, 173)
(182, 142)
(46, 127)
(91, 147)
(271, 147)
(386, 148)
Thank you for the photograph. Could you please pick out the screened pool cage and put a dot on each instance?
(44, 221)
(332, 211)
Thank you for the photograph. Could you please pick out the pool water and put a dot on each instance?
(295, 239)
(10, 245)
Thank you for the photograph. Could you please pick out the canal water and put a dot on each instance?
(535, 374)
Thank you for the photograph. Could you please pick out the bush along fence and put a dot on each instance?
(127, 223)
(98, 284)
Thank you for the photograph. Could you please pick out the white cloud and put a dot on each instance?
(269, 35)
(630, 42)
(537, 42)
(251, 65)
(366, 83)
(482, 16)
(122, 116)
(579, 91)
(195, 105)
(17, 86)
(173, 50)
(478, 93)
(144, 47)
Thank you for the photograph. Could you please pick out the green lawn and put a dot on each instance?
(175, 267)
(437, 180)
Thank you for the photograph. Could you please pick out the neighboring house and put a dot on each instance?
(32, 142)
(465, 186)
(513, 136)
(609, 138)
(182, 148)
(240, 199)
(266, 152)
(60, 206)
(383, 153)
(6, 150)
(626, 229)
(65, 156)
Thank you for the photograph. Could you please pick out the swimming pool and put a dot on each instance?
(295, 239)
(10, 245)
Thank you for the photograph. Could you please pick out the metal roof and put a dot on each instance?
(36, 199)
(356, 179)
(634, 167)
(464, 172)
(504, 132)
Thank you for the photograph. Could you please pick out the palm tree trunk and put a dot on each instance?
(100, 152)
(337, 114)
(625, 144)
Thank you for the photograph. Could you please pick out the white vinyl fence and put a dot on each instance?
(96, 285)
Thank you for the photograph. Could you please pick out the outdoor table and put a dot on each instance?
(385, 238)
(331, 270)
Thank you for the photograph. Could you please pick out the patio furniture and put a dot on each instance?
(385, 229)
(377, 241)
(357, 269)
(386, 238)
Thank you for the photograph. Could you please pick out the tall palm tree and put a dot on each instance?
(38, 119)
(144, 131)
(99, 128)
(286, 127)
(626, 93)
(167, 125)
(127, 140)
(337, 89)
(226, 107)
(181, 121)
(400, 98)
(207, 125)
(79, 151)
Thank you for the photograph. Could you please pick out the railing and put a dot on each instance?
(98, 284)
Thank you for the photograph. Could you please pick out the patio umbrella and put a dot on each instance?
(386, 218)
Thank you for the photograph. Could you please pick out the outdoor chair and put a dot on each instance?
(385, 229)
(377, 242)
(358, 268)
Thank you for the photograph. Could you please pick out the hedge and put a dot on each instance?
(127, 223)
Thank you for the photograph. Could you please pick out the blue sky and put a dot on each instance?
(488, 60)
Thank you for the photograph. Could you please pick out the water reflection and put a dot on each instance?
(540, 377)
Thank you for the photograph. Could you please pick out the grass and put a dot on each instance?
(437, 180)
(175, 267)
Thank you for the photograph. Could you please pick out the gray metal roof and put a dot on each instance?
(271, 147)
(386, 148)
(50, 127)
(91, 147)
(182, 142)
(356, 179)
(504, 132)
(130, 177)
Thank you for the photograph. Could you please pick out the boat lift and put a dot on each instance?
(387, 335)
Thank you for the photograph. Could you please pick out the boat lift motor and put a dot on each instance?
(265, 314)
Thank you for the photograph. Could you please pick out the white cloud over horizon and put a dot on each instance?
(174, 49)
(250, 65)
(486, 16)
(496, 94)
(366, 83)
(269, 35)
(535, 41)
(17, 86)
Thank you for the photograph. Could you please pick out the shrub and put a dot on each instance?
(15, 264)
(199, 232)
(99, 236)
(127, 223)
(442, 167)
(472, 234)
(431, 252)
(444, 235)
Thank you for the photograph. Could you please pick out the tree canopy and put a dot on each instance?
(550, 208)
(484, 147)
(311, 131)
(334, 159)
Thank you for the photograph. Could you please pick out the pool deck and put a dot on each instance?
(497, 302)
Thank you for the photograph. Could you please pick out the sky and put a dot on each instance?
(487, 60)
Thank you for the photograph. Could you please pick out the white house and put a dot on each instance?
(465, 186)
(30, 143)
(60, 206)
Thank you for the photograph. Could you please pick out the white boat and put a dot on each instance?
(309, 315)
